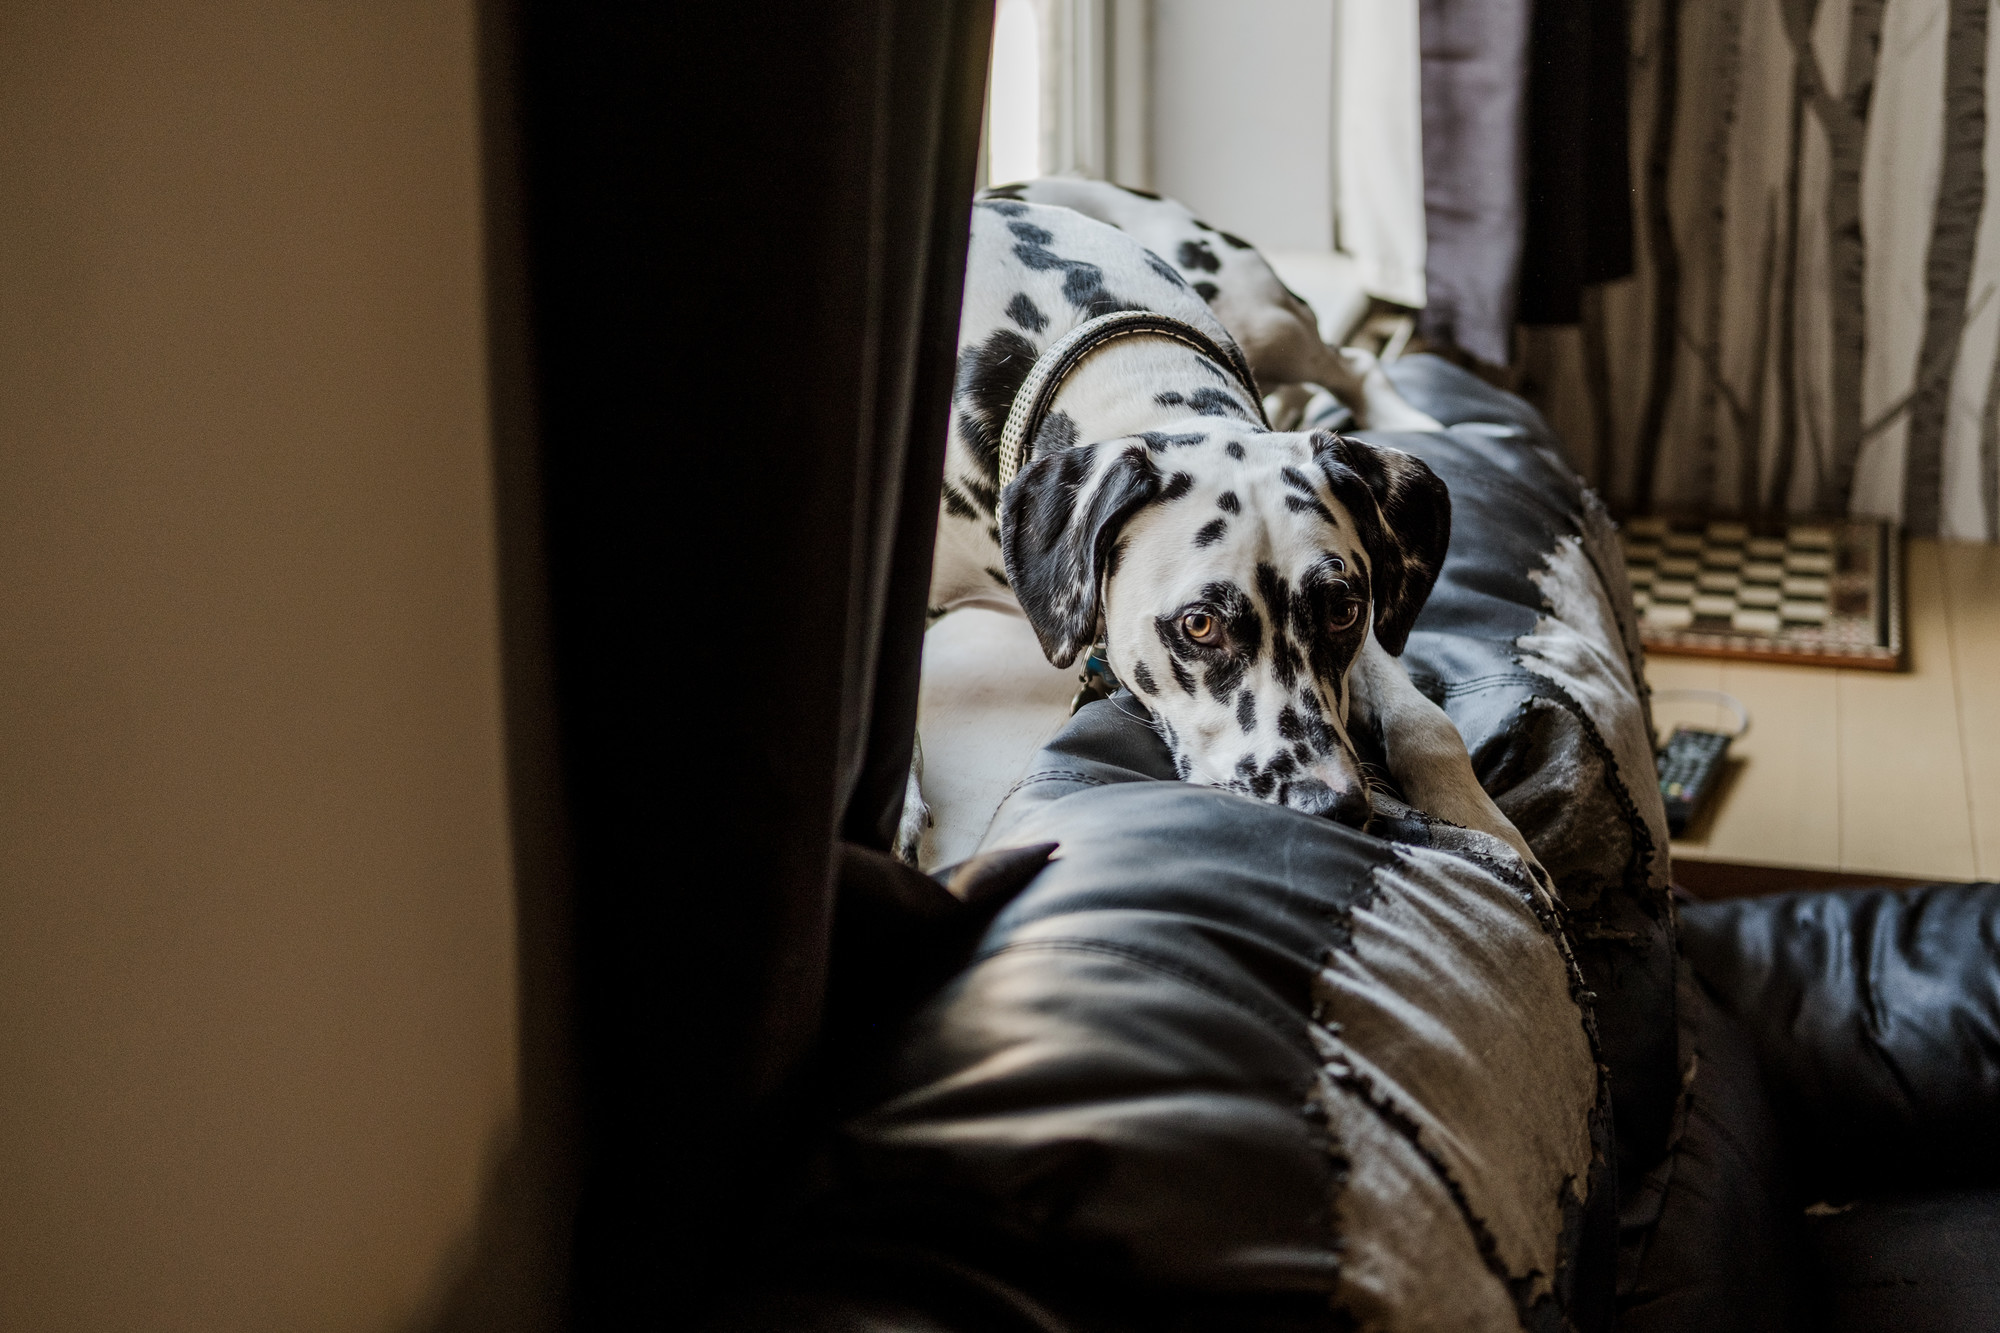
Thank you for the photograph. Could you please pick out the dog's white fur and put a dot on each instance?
(1276, 329)
(1155, 489)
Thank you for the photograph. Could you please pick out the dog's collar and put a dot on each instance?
(1065, 354)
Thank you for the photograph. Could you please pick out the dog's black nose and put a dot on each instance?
(1349, 806)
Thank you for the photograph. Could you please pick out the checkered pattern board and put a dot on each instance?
(1821, 593)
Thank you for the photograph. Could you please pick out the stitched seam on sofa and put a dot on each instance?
(1193, 977)
(1055, 775)
(1346, 1076)
(1475, 684)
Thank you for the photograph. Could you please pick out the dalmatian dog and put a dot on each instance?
(1276, 329)
(1253, 588)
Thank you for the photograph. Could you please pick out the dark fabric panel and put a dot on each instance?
(1578, 191)
(1712, 1232)
(1474, 78)
(742, 230)
(1913, 1263)
(1877, 1014)
(936, 92)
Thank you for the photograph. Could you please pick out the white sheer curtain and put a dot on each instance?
(1296, 123)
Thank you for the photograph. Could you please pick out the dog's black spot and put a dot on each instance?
(1197, 255)
(1283, 765)
(1246, 627)
(1083, 283)
(1203, 225)
(1318, 734)
(1015, 190)
(1246, 711)
(1290, 725)
(1207, 290)
(1229, 504)
(1286, 662)
(1234, 450)
(1214, 371)
(1143, 194)
(956, 504)
(997, 576)
(1222, 678)
(1159, 440)
(1164, 269)
(1206, 401)
(984, 493)
(1298, 480)
(1182, 676)
(989, 375)
(1216, 403)
(1302, 753)
(1006, 207)
(1300, 504)
(1324, 592)
(1026, 313)
(1177, 486)
(1276, 593)
(1211, 532)
(1058, 433)
(1143, 679)
(1236, 242)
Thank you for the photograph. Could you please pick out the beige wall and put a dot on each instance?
(256, 978)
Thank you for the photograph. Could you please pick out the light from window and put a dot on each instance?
(1014, 108)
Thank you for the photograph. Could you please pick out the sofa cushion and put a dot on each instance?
(1915, 1263)
(1712, 1231)
(1876, 1013)
(1224, 1048)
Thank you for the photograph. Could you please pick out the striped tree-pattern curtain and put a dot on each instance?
(1814, 326)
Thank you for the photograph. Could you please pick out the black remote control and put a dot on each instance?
(1689, 767)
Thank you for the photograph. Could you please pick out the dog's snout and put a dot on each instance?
(1347, 804)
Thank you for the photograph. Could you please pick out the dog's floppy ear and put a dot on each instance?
(1059, 525)
(1404, 510)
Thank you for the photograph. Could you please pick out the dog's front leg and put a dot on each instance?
(916, 811)
(1425, 753)
(1376, 402)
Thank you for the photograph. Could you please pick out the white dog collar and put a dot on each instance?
(1065, 354)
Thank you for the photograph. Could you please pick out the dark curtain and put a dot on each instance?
(1527, 175)
(1577, 183)
(1474, 82)
(728, 248)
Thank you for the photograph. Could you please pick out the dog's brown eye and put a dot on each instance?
(1201, 626)
(1344, 614)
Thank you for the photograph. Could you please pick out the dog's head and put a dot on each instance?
(1236, 575)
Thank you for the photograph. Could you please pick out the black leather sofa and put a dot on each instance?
(1092, 1092)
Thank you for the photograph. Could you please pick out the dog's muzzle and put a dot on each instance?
(1344, 805)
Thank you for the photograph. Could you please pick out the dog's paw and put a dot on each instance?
(916, 813)
(1377, 403)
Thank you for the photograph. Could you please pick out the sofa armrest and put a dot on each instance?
(1876, 1016)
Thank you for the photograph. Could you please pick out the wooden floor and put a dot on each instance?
(1877, 772)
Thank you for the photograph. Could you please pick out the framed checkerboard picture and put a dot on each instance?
(1820, 593)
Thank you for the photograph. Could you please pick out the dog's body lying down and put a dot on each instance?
(1277, 330)
(1251, 587)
